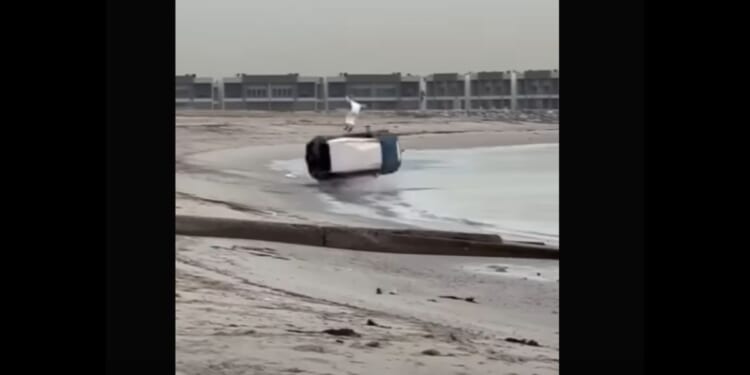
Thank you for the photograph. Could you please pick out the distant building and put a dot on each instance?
(491, 90)
(528, 90)
(446, 91)
(374, 91)
(538, 89)
(288, 92)
(193, 92)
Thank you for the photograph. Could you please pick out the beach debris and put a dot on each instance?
(522, 341)
(392, 292)
(499, 268)
(432, 352)
(257, 251)
(290, 175)
(242, 333)
(373, 344)
(339, 341)
(372, 323)
(300, 331)
(341, 332)
(310, 348)
(432, 300)
(261, 251)
(467, 299)
(451, 297)
(539, 274)
(307, 332)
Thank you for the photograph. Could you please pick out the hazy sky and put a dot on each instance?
(220, 38)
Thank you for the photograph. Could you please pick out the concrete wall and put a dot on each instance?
(537, 104)
(235, 105)
(479, 103)
(281, 106)
(408, 105)
(202, 105)
(193, 105)
(257, 106)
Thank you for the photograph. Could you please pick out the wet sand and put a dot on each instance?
(226, 159)
(251, 307)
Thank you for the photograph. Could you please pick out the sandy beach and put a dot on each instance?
(252, 307)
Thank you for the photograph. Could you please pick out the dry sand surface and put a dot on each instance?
(250, 307)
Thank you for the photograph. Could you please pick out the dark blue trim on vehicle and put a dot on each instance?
(391, 158)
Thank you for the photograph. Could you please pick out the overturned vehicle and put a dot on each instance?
(353, 155)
